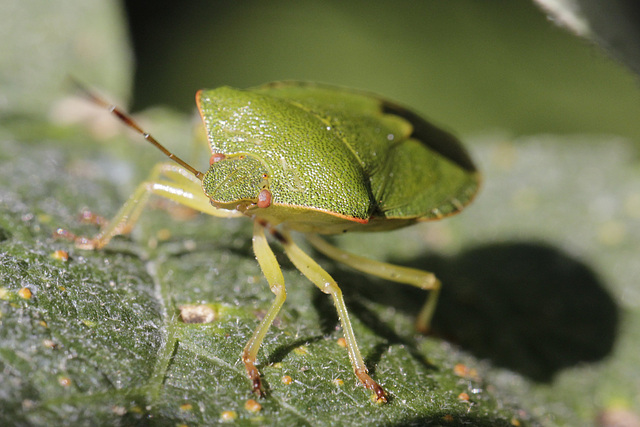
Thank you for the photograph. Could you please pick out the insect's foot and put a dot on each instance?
(80, 241)
(86, 243)
(381, 395)
(61, 233)
(254, 376)
(256, 387)
(89, 217)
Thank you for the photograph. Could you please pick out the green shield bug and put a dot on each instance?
(318, 160)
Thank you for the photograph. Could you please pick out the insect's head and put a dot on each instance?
(237, 182)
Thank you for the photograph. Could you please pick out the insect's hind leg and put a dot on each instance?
(410, 276)
(273, 273)
(167, 180)
(328, 285)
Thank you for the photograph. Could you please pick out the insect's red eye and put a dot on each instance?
(216, 157)
(264, 198)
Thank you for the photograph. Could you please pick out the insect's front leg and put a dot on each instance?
(167, 180)
(273, 273)
(410, 276)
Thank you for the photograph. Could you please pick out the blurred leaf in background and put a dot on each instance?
(44, 43)
(473, 66)
(539, 321)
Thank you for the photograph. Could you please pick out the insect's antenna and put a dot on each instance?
(128, 120)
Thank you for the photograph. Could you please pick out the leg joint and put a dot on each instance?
(278, 289)
(431, 282)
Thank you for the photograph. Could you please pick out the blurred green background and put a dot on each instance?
(470, 65)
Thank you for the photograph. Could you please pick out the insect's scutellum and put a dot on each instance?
(128, 120)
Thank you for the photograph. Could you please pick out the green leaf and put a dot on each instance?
(526, 285)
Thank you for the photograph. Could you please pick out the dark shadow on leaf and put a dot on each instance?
(329, 321)
(118, 246)
(444, 418)
(373, 322)
(327, 315)
(525, 306)
(4, 234)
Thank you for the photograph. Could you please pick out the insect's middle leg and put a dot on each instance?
(328, 285)
(410, 276)
(271, 269)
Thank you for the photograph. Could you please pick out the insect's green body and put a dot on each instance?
(333, 160)
(315, 159)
